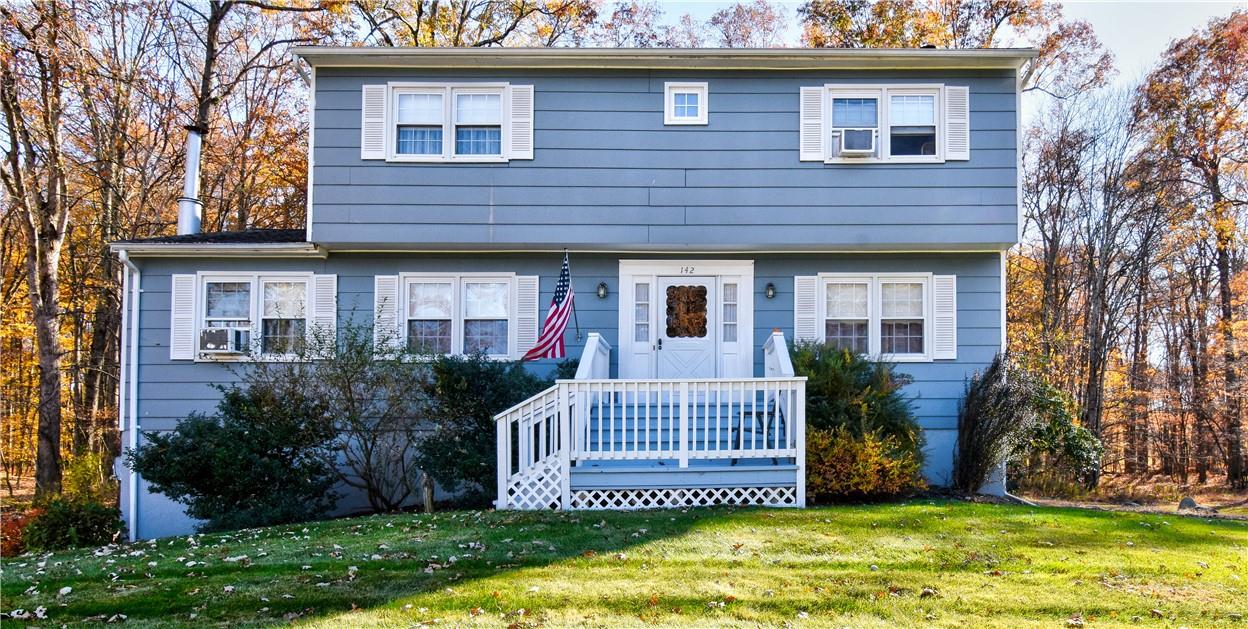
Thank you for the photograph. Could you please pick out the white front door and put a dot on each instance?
(686, 317)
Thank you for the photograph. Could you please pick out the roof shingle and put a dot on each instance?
(244, 237)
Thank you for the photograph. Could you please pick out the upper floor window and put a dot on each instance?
(685, 103)
(422, 121)
(884, 123)
(425, 122)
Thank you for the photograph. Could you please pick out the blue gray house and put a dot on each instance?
(716, 205)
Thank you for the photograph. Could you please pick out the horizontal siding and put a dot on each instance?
(169, 390)
(609, 172)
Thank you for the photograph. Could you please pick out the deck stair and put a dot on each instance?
(596, 442)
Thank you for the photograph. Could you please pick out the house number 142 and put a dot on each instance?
(686, 270)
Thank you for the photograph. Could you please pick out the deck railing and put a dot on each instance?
(594, 418)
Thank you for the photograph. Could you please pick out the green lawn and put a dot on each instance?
(924, 562)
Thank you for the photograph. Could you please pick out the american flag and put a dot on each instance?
(550, 343)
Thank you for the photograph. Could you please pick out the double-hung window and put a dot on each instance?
(847, 314)
(418, 119)
(911, 124)
(903, 314)
(446, 123)
(284, 316)
(855, 123)
(272, 308)
(227, 303)
(478, 123)
(454, 314)
(870, 123)
(886, 315)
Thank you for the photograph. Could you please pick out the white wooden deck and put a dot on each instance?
(598, 443)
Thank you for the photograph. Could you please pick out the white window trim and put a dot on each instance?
(256, 281)
(457, 281)
(671, 88)
(875, 311)
(448, 91)
(883, 92)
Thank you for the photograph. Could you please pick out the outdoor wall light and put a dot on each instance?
(602, 290)
(770, 291)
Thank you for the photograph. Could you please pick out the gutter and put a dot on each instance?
(655, 58)
(129, 386)
(220, 250)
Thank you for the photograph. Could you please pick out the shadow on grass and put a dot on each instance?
(316, 572)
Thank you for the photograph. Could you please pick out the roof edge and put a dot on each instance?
(658, 58)
(219, 249)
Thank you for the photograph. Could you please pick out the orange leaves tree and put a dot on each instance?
(1071, 58)
(1196, 102)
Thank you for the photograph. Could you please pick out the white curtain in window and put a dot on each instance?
(429, 301)
(847, 300)
(485, 300)
(478, 109)
(285, 300)
(901, 299)
(423, 109)
(912, 110)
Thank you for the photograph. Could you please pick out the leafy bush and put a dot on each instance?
(72, 523)
(847, 390)
(264, 458)
(87, 477)
(12, 525)
(997, 410)
(1056, 454)
(841, 466)
(465, 393)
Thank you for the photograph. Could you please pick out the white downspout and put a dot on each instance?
(130, 314)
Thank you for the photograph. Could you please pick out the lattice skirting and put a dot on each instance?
(690, 497)
(538, 488)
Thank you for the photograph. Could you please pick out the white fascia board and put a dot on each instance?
(658, 58)
(223, 250)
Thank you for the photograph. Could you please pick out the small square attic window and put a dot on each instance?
(685, 103)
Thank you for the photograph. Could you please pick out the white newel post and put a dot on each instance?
(504, 460)
(684, 424)
(565, 448)
(800, 434)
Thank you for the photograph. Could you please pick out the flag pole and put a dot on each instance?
(574, 318)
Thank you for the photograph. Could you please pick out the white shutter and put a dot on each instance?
(805, 310)
(373, 122)
(957, 123)
(526, 313)
(181, 317)
(810, 125)
(521, 122)
(386, 312)
(324, 310)
(945, 317)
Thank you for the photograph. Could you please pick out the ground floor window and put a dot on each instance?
(454, 314)
(272, 307)
(884, 315)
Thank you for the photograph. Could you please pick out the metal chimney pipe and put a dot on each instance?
(190, 208)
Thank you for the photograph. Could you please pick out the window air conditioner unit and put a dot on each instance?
(857, 142)
(224, 340)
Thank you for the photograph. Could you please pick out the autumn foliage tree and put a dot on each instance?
(1197, 104)
(1071, 58)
